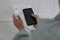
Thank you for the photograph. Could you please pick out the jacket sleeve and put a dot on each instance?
(49, 29)
(22, 35)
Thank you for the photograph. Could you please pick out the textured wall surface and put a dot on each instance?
(44, 8)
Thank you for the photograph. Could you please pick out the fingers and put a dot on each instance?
(19, 18)
(18, 22)
(35, 16)
(14, 18)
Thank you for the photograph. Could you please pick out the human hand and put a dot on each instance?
(37, 18)
(18, 22)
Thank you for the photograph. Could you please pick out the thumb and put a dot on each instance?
(36, 16)
(33, 15)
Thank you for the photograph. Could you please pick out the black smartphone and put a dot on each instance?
(30, 20)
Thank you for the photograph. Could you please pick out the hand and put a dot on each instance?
(37, 17)
(18, 22)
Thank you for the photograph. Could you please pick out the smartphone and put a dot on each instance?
(30, 20)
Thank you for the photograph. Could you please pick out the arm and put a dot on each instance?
(19, 25)
(22, 35)
(49, 29)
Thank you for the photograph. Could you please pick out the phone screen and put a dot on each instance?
(28, 17)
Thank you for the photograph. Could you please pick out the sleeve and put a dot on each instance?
(21, 35)
(29, 30)
(49, 29)
(43, 22)
(57, 17)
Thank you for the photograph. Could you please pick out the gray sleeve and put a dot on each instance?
(21, 35)
(57, 17)
(49, 29)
